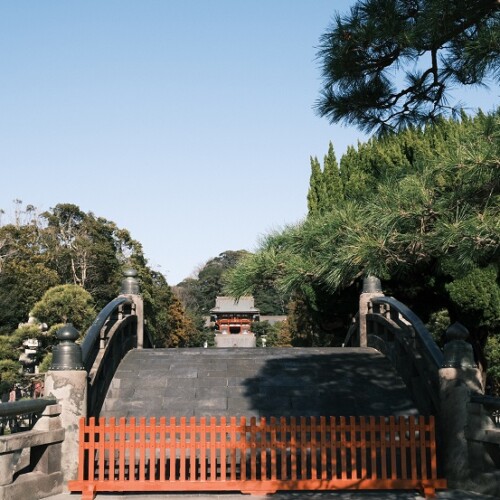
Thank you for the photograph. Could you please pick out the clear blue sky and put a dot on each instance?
(188, 122)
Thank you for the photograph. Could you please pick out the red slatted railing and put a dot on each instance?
(308, 453)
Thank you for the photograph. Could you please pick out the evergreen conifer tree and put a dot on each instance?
(333, 190)
(315, 193)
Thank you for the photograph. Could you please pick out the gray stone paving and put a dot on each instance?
(306, 495)
(256, 382)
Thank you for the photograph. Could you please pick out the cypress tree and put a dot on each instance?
(314, 195)
(331, 180)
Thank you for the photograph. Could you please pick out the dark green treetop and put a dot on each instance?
(390, 63)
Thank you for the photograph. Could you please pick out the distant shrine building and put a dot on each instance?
(232, 319)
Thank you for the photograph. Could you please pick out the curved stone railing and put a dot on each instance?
(30, 461)
(446, 384)
(22, 415)
(113, 333)
(96, 336)
(396, 331)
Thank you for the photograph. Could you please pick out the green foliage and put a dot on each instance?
(315, 193)
(87, 250)
(181, 330)
(325, 186)
(62, 263)
(24, 273)
(438, 323)
(46, 363)
(10, 372)
(477, 296)
(492, 352)
(198, 294)
(66, 304)
(275, 335)
(430, 46)
(421, 210)
(279, 336)
(8, 348)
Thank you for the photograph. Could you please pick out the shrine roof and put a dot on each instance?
(230, 304)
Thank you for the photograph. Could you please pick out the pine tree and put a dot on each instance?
(431, 45)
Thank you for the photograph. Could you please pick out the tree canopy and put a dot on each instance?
(66, 264)
(65, 304)
(198, 294)
(390, 63)
(420, 209)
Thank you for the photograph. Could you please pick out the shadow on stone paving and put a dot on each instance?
(310, 383)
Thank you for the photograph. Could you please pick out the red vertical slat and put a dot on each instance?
(283, 451)
(193, 441)
(432, 438)
(213, 449)
(393, 444)
(151, 431)
(353, 428)
(203, 449)
(272, 428)
(343, 445)
(323, 454)
(223, 441)
(233, 447)
(142, 449)
(373, 447)
(293, 449)
(314, 448)
(100, 451)
(163, 447)
(333, 446)
(363, 435)
(383, 448)
(182, 448)
(81, 449)
(422, 433)
(263, 445)
(112, 448)
(172, 431)
(253, 444)
(413, 449)
(403, 447)
(133, 450)
(92, 431)
(121, 449)
(243, 448)
(303, 428)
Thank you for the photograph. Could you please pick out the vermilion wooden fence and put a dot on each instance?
(322, 453)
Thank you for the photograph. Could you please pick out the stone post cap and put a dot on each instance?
(67, 355)
(130, 283)
(67, 333)
(457, 352)
(457, 331)
(371, 284)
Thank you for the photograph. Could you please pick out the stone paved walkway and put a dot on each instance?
(256, 382)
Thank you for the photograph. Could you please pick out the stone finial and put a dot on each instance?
(130, 283)
(457, 352)
(371, 284)
(67, 355)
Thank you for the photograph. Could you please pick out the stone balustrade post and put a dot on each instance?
(459, 378)
(66, 381)
(130, 287)
(371, 288)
